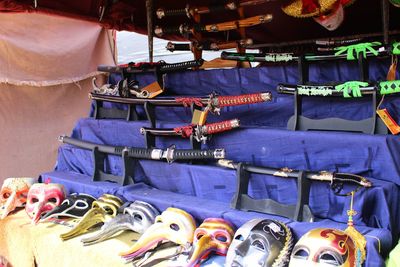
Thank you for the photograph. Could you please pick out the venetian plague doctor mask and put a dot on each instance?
(173, 225)
(74, 206)
(213, 235)
(14, 194)
(137, 217)
(103, 210)
(43, 198)
(260, 242)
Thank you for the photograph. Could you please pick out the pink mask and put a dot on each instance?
(14, 193)
(213, 235)
(42, 198)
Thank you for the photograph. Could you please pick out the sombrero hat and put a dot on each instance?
(311, 8)
(395, 2)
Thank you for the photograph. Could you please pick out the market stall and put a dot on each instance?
(199, 163)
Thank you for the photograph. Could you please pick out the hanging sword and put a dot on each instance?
(185, 29)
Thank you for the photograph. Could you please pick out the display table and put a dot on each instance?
(24, 244)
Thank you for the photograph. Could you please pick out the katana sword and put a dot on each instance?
(199, 132)
(349, 52)
(207, 45)
(324, 176)
(190, 11)
(212, 103)
(185, 29)
(347, 89)
(129, 87)
(170, 154)
(150, 66)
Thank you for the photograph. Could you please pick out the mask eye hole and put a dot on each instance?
(221, 238)
(108, 210)
(34, 200)
(329, 258)
(137, 217)
(6, 195)
(174, 226)
(23, 194)
(199, 235)
(81, 204)
(239, 237)
(258, 245)
(301, 254)
(52, 200)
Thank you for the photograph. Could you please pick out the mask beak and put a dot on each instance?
(202, 248)
(8, 206)
(37, 212)
(153, 235)
(91, 218)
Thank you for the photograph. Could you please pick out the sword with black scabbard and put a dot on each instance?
(128, 87)
(170, 154)
(212, 103)
(334, 178)
(199, 132)
(349, 52)
(190, 11)
(207, 45)
(186, 29)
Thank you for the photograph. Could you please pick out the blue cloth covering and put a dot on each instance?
(206, 190)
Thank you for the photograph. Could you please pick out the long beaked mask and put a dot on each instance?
(260, 242)
(103, 210)
(43, 198)
(174, 225)
(325, 247)
(213, 235)
(14, 193)
(137, 217)
(74, 206)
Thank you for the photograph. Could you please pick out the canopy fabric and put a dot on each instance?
(65, 51)
(131, 16)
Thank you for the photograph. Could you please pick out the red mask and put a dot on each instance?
(42, 198)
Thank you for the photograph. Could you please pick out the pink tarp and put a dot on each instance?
(60, 55)
(42, 50)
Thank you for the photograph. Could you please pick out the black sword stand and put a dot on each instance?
(114, 113)
(242, 201)
(99, 173)
(150, 140)
(371, 125)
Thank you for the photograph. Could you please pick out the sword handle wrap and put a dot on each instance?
(220, 127)
(140, 153)
(189, 154)
(171, 12)
(226, 101)
(181, 65)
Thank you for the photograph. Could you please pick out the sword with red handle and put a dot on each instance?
(190, 11)
(186, 29)
(212, 103)
(199, 132)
